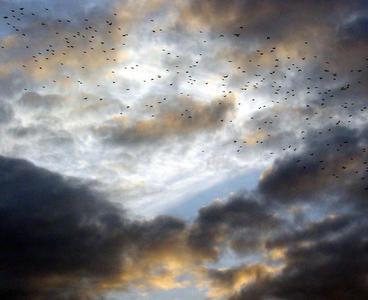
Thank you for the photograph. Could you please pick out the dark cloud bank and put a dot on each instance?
(60, 239)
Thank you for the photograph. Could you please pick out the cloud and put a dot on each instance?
(273, 18)
(317, 255)
(240, 223)
(93, 247)
(35, 100)
(328, 163)
(297, 74)
(6, 113)
(179, 120)
(54, 232)
(226, 282)
(332, 267)
(73, 43)
(61, 238)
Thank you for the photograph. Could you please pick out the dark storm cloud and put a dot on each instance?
(329, 267)
(224, 282)
(324, 259)
(60, 239)
(53, 226)
(240, 222)
(327, 163)
(313, 232)
(49, 220)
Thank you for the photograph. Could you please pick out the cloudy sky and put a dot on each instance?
(197, 149)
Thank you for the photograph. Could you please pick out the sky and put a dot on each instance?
(197, 149)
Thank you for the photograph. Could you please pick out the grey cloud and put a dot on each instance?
(240, 222)
(186, 118)
(330, 268)
(37, 101)
(6, 113)
(319, 167)
(61, 239)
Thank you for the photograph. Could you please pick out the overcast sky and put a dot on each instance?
(183, 149)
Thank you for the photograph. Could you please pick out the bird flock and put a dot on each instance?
(66, 48)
